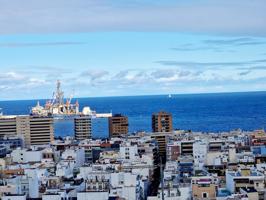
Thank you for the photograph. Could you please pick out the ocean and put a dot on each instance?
(197, 112)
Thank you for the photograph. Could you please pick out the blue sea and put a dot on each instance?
(196, 112)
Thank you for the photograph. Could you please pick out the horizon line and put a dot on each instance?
(142, 95)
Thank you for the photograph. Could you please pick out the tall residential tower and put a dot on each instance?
(82, 126)
(118, 125)
(162, 122)
(36, 130)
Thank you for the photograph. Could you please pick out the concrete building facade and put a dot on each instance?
(82, 127)
(35, 130)
(162, 122)
(118, 125)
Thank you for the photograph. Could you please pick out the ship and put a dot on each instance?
(58, 107)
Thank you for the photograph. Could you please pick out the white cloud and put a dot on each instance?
(11, 76)
(19, 85)
(95, 74)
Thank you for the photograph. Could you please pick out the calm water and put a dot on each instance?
(197, 112)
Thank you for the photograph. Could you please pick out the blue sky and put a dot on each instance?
(113, 48)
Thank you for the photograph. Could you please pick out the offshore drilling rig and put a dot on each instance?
(57, 106)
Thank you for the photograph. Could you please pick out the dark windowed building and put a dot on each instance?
(162, 122)
(118, 125)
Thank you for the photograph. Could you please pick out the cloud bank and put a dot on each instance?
(242, 17)
(134, 81)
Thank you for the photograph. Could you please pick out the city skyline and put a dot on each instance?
(132, 48)
(132, 99)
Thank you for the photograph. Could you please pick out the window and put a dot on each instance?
(204, 195)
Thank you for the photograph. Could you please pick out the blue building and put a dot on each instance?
(185, 170)
(12, 143)
(259, 150)
(3, 151)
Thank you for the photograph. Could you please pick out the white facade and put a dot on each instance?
(51, 197)
(199, 154)
(70, 159)
(78, 155)
(55, 196)
(42, 173)
(184, 194)
(216, 158)
(9, 188)
(25, 156)
(26, 184)
(232, 154)
(33, 182)
(124, 185)
(65, 169)
(14, 197)
(92, 195)
(129, 152)
(2, 163)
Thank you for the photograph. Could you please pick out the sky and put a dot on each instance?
(131, 47)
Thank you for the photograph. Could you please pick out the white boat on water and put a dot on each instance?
(169, 96)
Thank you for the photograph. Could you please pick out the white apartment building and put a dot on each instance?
(128, 151)
(124, 185)
(26, 156)
(199, 153)
(71, 159)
